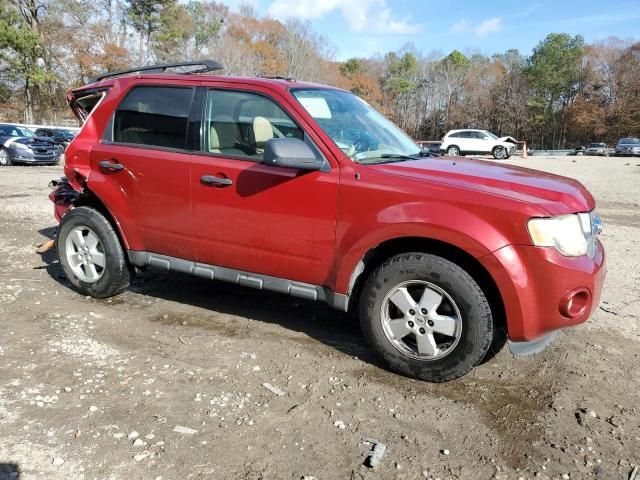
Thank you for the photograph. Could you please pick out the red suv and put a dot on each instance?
(306, 190)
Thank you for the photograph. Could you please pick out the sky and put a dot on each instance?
(361, 28)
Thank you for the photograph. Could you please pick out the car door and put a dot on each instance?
(262, 219)
(143, 163)
(465, 141)
(476, 142)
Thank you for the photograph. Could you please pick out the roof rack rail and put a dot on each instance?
(206, 66)
(277, 77)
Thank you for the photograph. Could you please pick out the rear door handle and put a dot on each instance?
(214, 181)
(110, 165)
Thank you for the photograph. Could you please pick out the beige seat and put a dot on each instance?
(223, 135)
(262, 133)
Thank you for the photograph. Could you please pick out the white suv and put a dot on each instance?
(478, 142)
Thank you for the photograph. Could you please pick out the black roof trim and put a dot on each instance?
(207, 66)
(277, 77)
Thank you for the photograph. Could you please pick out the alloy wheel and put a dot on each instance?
(421, 320)
(85, 254)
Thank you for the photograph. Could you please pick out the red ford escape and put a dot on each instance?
(306, 190)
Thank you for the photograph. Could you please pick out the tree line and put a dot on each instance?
(565, 93)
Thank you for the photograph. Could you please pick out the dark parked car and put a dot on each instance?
(21, 145)
(306, 190)
(59, 136)
(598, 148)
(628, 146)
(431, 147)
(577, 151)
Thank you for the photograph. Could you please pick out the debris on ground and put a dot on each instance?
(185, 430)
(46, 246)
(374, 456)
(634, 473)
(275, 390)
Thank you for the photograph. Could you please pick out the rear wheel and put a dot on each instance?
(426, 317)
(91, 254)
(499, 153)
(453, 150)
(5, 161)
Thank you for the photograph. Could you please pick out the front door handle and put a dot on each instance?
(110, 165)
(216, 181)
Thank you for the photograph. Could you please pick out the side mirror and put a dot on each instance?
(291, 153)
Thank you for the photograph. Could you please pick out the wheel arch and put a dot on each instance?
(90, 199)
(381, 252)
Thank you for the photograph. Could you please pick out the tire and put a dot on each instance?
(499, 153)
(453, 151)
(462, 300)
(5, 160)
(81, 226)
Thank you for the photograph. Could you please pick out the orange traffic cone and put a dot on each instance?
(524, 150)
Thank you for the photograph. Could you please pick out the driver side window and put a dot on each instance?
(239, 124)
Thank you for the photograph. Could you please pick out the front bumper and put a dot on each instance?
(627, 153)
(34, 157)
(542, 290)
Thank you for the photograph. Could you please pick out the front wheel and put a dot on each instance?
(5, 161)
(426, 317)
(499, 153)
(91, 254)
(453, 151)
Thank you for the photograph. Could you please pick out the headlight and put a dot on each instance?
(570, 234)
(21, 146)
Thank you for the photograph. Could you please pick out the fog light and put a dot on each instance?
(574, 303)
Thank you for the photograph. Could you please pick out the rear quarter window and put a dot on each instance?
(153, 116)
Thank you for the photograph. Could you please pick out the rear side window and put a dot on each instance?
(153, 116)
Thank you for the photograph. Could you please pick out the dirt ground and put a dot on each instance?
(94, 389)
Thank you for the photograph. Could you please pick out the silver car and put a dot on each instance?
(597, 149)
(628, 146)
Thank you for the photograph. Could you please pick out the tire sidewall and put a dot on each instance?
(116, 271)
(477, 324)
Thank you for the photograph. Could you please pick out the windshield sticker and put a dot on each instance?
(317, 107)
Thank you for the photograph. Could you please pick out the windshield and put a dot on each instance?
(363, 134)
(491, 135)
(629, 140)
(596, 145)
(15, 131)
(63, 133)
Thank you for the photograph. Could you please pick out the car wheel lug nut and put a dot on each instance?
(411, 324)
(424, 311)
(430, 323)
(412, 312)
(422, 331)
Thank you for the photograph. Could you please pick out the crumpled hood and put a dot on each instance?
(6, 141)
(508, 139)
(557, 195)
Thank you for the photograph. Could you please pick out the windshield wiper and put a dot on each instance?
(394, 157)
